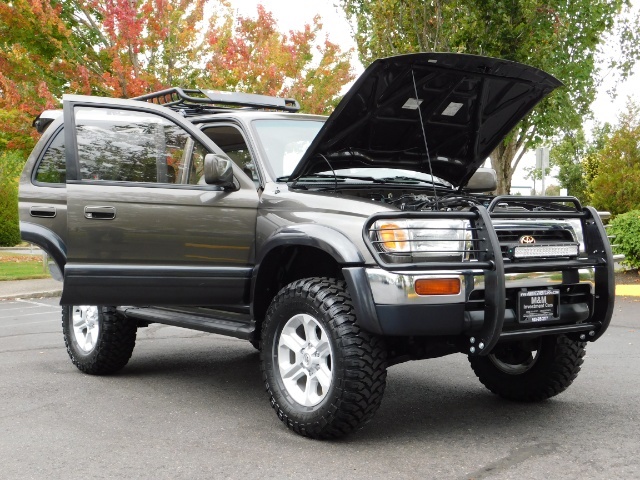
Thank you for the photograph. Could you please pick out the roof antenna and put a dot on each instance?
(424, 136)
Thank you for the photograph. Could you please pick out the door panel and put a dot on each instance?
(138, 232)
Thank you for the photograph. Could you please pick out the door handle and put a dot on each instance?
(43, 211)
(99, 213)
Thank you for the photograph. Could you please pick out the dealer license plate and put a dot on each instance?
(538, 306)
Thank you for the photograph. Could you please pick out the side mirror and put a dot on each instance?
(218, 170)
(484, 180)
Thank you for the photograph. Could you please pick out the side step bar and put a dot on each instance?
(223, 326)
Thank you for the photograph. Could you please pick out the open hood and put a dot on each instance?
(468, 105)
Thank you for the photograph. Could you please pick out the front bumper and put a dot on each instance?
(484, 311)
(401, 311)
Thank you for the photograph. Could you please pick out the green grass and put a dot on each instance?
(27, 266)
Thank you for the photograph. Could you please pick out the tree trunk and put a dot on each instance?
(502, 162)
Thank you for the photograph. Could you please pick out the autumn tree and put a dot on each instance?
(562, 38)
(33, 38)
(252, 55)
(125, 48)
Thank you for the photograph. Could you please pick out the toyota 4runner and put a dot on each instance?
(337, 246)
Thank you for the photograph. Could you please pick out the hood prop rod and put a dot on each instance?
(424, 137)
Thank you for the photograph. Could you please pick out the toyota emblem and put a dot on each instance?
(527, 239)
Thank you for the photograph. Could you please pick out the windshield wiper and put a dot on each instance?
(325, 176)
(401, 179)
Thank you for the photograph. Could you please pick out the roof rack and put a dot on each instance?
(197, 101)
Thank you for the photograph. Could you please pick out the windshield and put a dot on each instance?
(285, 141)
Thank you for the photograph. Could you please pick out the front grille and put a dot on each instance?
(545, 236)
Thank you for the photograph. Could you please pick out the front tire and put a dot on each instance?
(531, 371)
(99, 341)
(324, 375)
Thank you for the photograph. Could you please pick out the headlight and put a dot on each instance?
(435, 238)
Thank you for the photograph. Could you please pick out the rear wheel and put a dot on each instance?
(99, 341)
(324, 375)
(530, 371)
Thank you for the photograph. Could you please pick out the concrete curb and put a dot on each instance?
(44, 294)
(30, 288)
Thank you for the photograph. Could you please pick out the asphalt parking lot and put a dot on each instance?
(191, 405)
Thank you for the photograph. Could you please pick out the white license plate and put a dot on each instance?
(538, 306)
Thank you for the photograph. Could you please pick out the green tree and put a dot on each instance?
(10, 167)
(615, 167)
(574, 155)
(562, 38)
(535, 174)
(626, 230)
(552, 191)
(567, 155)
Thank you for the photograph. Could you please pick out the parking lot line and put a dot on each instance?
(36, 303)
(29, 323)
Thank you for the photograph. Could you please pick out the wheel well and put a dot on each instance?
(284, 265)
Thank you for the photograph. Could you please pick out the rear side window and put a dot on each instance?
(52, 167)
(130, 146)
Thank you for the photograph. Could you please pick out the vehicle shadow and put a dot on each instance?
(419, 403)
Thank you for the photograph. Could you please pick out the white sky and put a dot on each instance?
(293, 14)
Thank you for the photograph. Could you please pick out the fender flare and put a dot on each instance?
(46, 239)
(327, 239)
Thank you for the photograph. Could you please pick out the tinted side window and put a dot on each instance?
(123, 145)
(52, 167)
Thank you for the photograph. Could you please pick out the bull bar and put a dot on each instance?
(487, 256)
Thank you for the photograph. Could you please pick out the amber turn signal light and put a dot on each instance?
(393, 237)
(438, 286)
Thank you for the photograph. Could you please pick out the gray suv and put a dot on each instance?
(337, 246)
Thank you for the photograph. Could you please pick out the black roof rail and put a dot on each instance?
(197, 101)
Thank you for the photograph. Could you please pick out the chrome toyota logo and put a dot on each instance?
(527, 239)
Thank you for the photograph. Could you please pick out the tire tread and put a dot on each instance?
(365, 360)
(114, 348)
(550, 379)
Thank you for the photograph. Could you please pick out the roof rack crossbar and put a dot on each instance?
(195, 101)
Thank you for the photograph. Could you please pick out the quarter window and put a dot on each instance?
(129, 146)
(52, 167)
(232, 142)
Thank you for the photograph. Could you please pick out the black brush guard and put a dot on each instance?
(487, 257)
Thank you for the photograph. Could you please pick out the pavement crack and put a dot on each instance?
(57, 332)
(39, 349)
(515, 457)
(22, 412)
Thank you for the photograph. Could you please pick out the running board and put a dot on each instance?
(222, 326)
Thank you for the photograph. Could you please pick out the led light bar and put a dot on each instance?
(533, 251)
